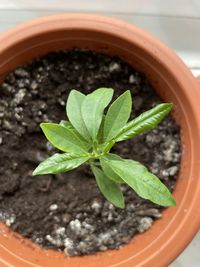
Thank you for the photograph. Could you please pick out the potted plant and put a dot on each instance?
(172, 81)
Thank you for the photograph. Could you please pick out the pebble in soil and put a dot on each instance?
(66, 211)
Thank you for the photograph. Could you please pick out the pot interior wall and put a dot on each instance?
(166, 86)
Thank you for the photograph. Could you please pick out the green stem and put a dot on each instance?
(109, 146)
(95, 147)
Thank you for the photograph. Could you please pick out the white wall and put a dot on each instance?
(175, 22)
(189, 8)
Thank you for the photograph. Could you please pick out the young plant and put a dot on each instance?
(89, 135)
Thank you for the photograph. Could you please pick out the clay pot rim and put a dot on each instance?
(111, 26)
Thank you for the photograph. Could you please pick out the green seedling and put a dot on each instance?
(88, 136)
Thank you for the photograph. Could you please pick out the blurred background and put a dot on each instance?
(176, 23)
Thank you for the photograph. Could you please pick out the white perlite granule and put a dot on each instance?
(145, 224)
(53, 207)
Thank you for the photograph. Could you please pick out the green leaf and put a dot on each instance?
(66, 124)
(60, 163)
(92, 109)
(109, 171)
(73, 110)
(117, 115)
(106, 147)
(63, 138)
(144, 183)
(146, 121)
(101, 129)
(108, 188)
(69, 126)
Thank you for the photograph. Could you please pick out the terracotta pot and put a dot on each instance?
(173, 82)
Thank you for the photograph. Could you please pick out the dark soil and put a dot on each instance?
(67, 211)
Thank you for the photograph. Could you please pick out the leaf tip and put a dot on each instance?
(105, 89)
(121, 205)
(38, 170)
(170, 105)
(128, 96)
(35, 172)
(74, 91)
(128, 91)
(42, 125)
(173, 202)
